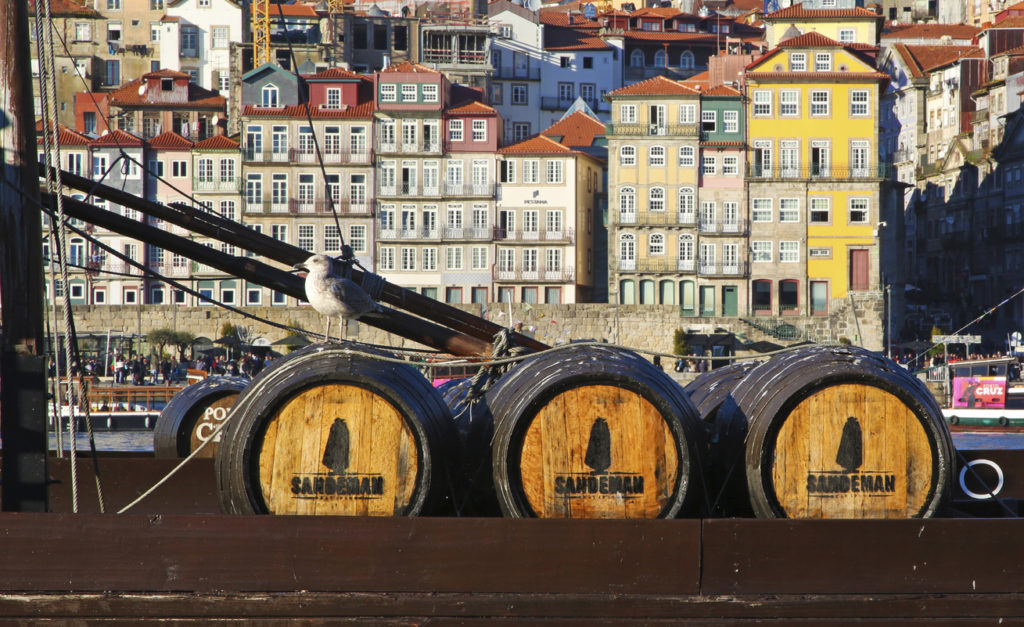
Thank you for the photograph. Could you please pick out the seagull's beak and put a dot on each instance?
(301, 266)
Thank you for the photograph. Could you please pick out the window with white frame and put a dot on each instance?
(409, 92)
(687, 113)
(789, 103)
(687, 156)
(333, 98)
(822, 61)
(531, 171)
(627, 201)
(478, 258)
(627, 114)
(859, 103)
(408, 259)
(820, 103)
(708, 121)
(429, 261)
(656, 244)
(687, 200)
(847, 35)
(789, 210)
(554, 171)
(386, 258)
(656, 199)
(388, 92)
(762, 103)
(731, 121)
(798, 62)
(761, 251)
(789, 252)
(453, 258)
(761, 210)
(227, 209)
(429, 93)
(479, 130)
(455, 130)
(269, 96)
(730, 166)
(859, 210)
(821, 210)
(307, 237)
(708, 165)
(627, 156)
(332, 238)
(656, 156)
(221, 36)
(519, 95)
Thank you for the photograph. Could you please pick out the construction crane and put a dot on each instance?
(260, 32)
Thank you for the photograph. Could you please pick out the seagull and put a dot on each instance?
(333, 295)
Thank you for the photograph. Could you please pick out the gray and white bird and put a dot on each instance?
(333, 295)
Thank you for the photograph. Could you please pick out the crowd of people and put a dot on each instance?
(133, 369)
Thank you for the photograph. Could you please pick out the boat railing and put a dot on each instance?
(121, 398)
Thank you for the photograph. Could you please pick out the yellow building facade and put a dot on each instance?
(853, 25)
(814, 181)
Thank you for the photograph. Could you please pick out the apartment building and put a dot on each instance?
(196, 38)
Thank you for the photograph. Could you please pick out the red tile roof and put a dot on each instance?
(66, 8)
(65, 136)
(165, 73)
(577, 130)
(839, 77)
(554, 17)
(117, 137)
(660, 12)
(1010, 22)
(217, 142)
(335, 73)
(538, 144)
(702, 78)
(170, 140)
(657, 86)
(798, 12)
(647, 35)
(198, 97)
(407, 66)
(809, 40)
(292, 10)
(362, 110)
(571, 39)
(472, 108)
(1010, 52)
(931, 31)
(721, 90)
(923, 59)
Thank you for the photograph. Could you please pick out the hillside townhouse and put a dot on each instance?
(840, 20)
(169, 179)
(215, 180)
(929, 34)
(548, 197)
(196, 38)
(435, 159)
(815, 185)
(653, 176)
(302, 181)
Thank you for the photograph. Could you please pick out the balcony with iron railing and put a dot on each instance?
(536, 275)
(302, 155)
(517, 73)
(251, 155)
(406, 233)
(648, 130)
(656, 218)
(215, 184)
(723, 269)
(566, 236)
(722, 227)
(825, 172)
(400, 146)
(468, 189)
(474, 232)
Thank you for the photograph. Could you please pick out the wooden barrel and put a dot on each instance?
(191, 416)
(330, 431)
(840, 432)
(726, 477)
(594, 432)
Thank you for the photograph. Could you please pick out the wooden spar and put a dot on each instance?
(392, 321)
(239, 235)
(22, 367)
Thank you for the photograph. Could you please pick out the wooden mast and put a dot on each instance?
(22, 366)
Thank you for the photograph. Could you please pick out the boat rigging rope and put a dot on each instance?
(54, 184)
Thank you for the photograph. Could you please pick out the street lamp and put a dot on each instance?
(615, 297)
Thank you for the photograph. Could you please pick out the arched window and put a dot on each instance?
(656, 244)
(627, 156)
(687, 158)
(668, 292)
(270, 93)
(656, 199)
(627, 251)
(762, 296)
(656, 156)
(627, 205)
(789, 296)
(648, 295)
(687, 211)
(637, 58)
(659, 58)
(686, 60)
(627, 292)
(686, 252)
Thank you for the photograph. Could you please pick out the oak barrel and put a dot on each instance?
(332, 429)
(726, 478)
(594, 432)
(192, 415)
(841, 432)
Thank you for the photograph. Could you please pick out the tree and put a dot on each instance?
(183, 340)
(160, 338)
(938, 349)
(679, 345)
(227, 329)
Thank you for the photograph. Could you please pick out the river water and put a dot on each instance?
(109, 441)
